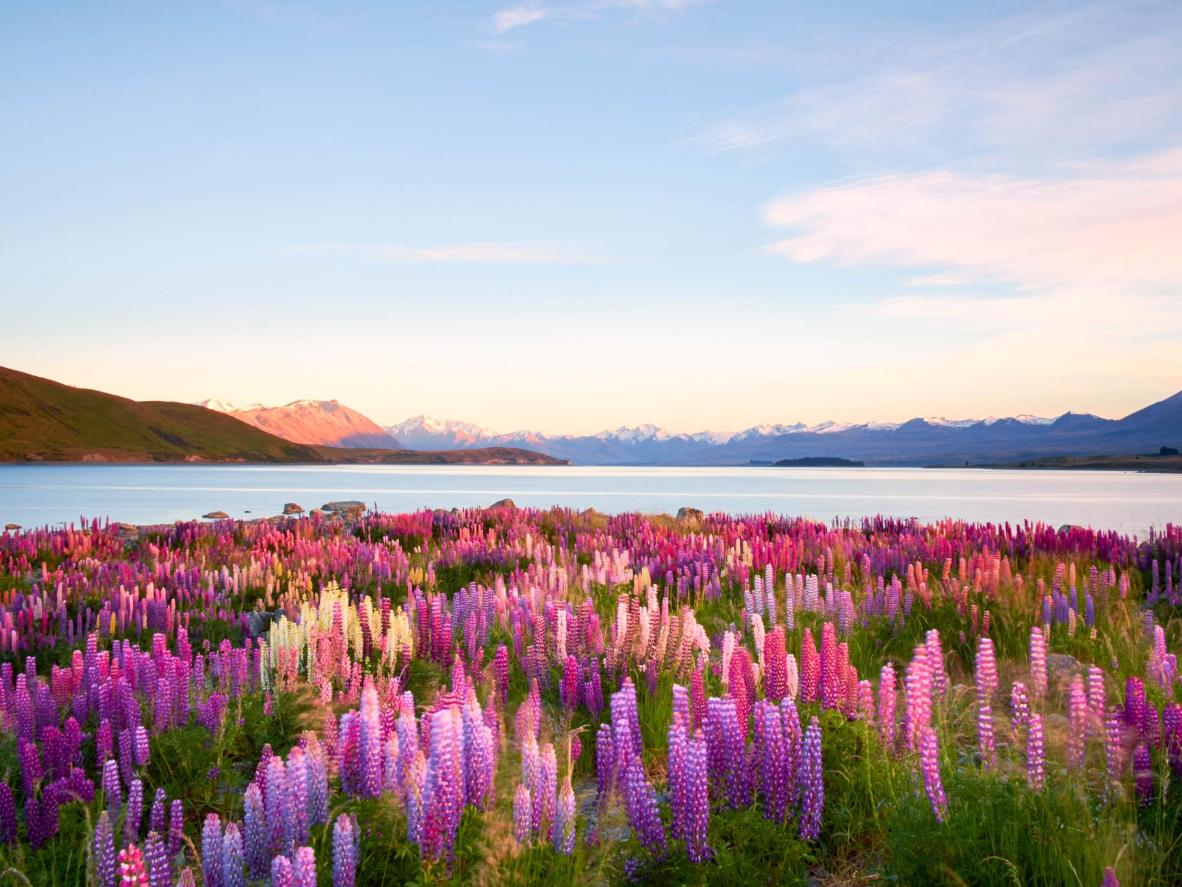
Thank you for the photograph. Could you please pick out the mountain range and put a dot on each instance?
(326, 423)
(919, 441)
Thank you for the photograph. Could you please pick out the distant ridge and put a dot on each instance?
(327, 423)
(43, 420)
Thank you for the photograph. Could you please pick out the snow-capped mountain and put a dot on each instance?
(326, 423)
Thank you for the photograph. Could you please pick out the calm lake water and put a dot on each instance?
(34, 495)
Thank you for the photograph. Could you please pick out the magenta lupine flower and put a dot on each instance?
(810, 783)
(1019, 705)
(697, 698)
(131, 867)
(1143, 774)
(568, 688)
(344, 853)
(1097, 702)
(935, 657)
(104, 851)
(212, 864)
(112, 788)
(886, 705)
(134, 817)
(142, 749)
(775, 657)
(303, 867)
(156, 859)
(830, 675)
(1109, 878)
(917, 693)
(523, 814)
(232, 857)
(281, 873)
(1077, 709)
(929, 763)
(1038, 662)
(1035, 775)
(810, 668)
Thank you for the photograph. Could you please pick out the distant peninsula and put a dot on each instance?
(45, 421)
(1167, 463)
(819, 462)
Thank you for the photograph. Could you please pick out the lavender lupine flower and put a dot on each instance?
(278, 804)
(929, 762)
(1143, 774)
(523, 814)
(256, 843)
(142, 749)
(344, 853)
(1097, 703)
(696, 821)
(112, 788)
(134, 816)
(1019, 705)
(303, 867)
(1038, 661)
(544, 791)
(370, 743)
(156, 859)
(810, 783)
(232, 857)
(1035, 776)
(886, 705)
(212, 863)
(441, 788)
(281, 872)
(318, 780)
(1114, 757)
(157, 821)
(564, 819)
(773, 761)
(104, 851)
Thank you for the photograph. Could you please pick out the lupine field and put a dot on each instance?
(510, 696)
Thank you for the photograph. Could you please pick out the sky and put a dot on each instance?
(580, 214)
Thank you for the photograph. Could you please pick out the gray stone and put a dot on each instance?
(292, 508)
(1061, 668)
(690, 514)
(259, 622)
(504, 503)
(344, 506)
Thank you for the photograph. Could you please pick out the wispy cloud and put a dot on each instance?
(523, 14)
(1115, 225)
(1033, 89)
(478, 252)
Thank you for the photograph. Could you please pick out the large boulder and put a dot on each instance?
(347, 508)
(292, 508)
(216, 515)
(690, 514)
(504, 503)
(12, 526)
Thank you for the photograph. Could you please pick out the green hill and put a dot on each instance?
(45, 420)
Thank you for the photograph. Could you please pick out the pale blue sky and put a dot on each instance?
(574, 215)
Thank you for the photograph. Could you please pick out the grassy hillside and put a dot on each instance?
(42, 419)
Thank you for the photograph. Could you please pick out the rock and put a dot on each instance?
(259, 621)
(216, 515)
(292, 508)
(12, 526)
(690, 514)
(1061, 668)
(503, 503)
(345, 506)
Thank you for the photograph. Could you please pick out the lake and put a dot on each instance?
(34, 495)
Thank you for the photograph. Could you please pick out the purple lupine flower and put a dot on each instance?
(810, 783)
(297, 789)
(212, 864)
(441, 788)
(1019, 705)
(773, 761)
(176, 827)
(134, 816)
(1035, 763)
(1114, 757)
(232, 857)
(344, 853)
(697, 800)
(478, 759)
(257, 842)
(544, 791)
(564, 820)
(501, 671)
(370, 743)
(157, 821)
(675, 768)
(522, 814)
(1172, 735)
(929, 762)
(104, 851)
(112, 788)
(1143, 774)
(281, 873)
(641, 806)
(7, 815)
(156, 859)
(605, 763)
(1109, 878)
(303, 867)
